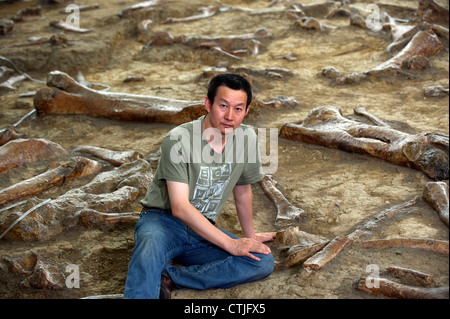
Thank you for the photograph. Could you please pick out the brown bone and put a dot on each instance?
(434, 245)
(287, 214)
(325, 126)
(63, 95)
(75, 168)
(393, 289)
(109, 192)
(436, 194)
(24, 151)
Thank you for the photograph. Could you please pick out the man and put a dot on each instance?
(202, 162)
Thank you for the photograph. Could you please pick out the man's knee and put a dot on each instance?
(265, 265)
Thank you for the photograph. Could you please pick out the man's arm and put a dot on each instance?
(182, 209)
(243, 199)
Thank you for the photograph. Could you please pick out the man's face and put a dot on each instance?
(228, 109)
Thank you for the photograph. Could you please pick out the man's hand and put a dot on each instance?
(246, 246)
(265, 237)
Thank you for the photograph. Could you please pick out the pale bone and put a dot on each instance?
(140, 6)
(11, 82)
(63, 95)
(436, 194)
(333, 248)
(287, 213)
(325, 126)
(68, 27)
(25, 151)
(393, 289)
(279, 102)
(230, 44)
(206, 12)
(115, 158)
(76, 167)
(434, 245)
(108, 192)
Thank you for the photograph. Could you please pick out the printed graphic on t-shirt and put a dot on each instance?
(210, 187)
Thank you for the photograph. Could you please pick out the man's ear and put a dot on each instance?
(208, 104)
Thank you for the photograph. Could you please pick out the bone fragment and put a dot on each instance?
(279, 102)
(432, 11)
(423, 43)
(12, 82)
(325, 126)
(63, 95)
(434, 245)
(393, 289)
(206, 12)
(9, 134)
(302, 245)
(229, 44)
(334, 247)
(93, 219)
(77, 167)
(24, 151)
(287, 213)
(109, 192)
(68, 27)
(410, 275)
(436, 194)
(127, 12)
(115, 158)
(436, 91)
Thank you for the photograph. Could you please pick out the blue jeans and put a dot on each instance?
(161, 237)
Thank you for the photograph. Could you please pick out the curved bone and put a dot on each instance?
(325, 126)
(63, 95)
(436, 194)
(394, 289)
(24, 151)
(115, 158)
(434, 245)
(75, 168)
(287, 214)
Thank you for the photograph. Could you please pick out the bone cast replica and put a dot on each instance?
(63, 95)
(325, 126)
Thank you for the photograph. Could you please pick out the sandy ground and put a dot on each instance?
(337, 190)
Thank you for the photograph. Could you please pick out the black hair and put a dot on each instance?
(232, 81)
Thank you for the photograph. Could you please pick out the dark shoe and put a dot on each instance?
(167, 286)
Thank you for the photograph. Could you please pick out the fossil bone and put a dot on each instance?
(115, 158)
(24, 151)
(109, 192)
(63, 95)
(287, 213)
(325, 125)
(394, 289)
(436, 194)
(76, 167)
(434, 245)
(334, 247)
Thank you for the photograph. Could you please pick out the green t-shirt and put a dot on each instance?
(187, 157)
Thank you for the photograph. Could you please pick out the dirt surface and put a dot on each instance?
(337, 190)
